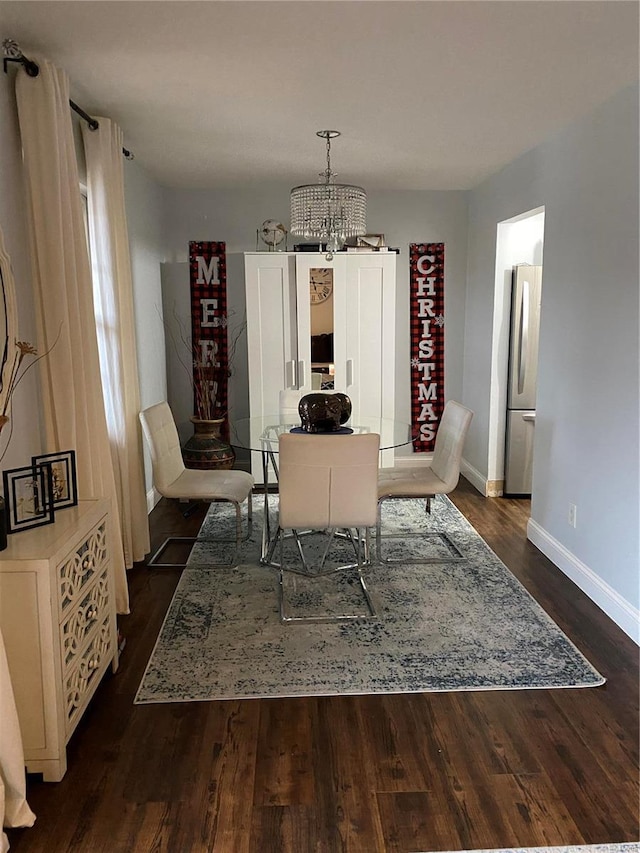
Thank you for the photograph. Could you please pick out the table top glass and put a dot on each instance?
(261, 433)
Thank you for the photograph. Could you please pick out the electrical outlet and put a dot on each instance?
(573, 515)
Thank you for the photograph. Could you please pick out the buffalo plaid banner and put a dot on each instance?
(426, 318)
(208, 279)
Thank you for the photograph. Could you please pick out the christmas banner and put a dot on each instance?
(208, 279)
(426, 318)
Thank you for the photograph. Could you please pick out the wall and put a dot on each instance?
(403, 217)
(25, 437)
(586, 447)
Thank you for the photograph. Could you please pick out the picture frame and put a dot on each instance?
(64, 479)
(27, 493)
(370, 241)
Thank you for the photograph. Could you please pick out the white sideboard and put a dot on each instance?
(58, 620)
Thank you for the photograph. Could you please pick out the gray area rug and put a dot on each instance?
(628, 847)
(467, 625)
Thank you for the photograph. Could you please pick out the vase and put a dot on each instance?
(324, 412)
(205, 448)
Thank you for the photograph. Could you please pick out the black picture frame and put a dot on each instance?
(27, 493)
(64, 480)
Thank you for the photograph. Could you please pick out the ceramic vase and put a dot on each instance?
(206, 448)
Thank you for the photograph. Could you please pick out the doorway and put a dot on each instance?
(519, 240)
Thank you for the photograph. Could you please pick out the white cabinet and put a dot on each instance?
(272, 330)
(279, 327)
(58, 620)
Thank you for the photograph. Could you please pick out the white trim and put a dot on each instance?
(152, 498)
(413, 460)
(474, 476)
(624, 614)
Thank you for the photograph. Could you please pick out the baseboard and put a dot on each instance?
(477, 480)
(413, 460)
(152, 499)
(625, 615)
(495, 488)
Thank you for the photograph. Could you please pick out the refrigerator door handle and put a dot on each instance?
(530, 416)
(523, 342)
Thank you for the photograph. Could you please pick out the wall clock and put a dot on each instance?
(320, 284)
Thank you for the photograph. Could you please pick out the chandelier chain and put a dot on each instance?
(328, 158)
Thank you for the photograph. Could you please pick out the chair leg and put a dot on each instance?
(238, 539)
(361, 549)
(153, 561)
(455, 555)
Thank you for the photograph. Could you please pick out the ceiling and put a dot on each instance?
(428, 94)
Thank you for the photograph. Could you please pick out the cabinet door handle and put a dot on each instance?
(302, 374)
(349, 372)
(290, 374)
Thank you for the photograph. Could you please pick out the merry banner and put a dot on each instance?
(426, 318)
(208, 279)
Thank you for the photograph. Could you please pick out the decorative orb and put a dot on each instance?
(272, 232)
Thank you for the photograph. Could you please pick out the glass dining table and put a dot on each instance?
(261, 435)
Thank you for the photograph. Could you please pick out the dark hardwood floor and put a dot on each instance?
(420, 772)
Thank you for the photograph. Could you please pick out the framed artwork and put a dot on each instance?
(370, 241)
(27, 493)
(64, 481)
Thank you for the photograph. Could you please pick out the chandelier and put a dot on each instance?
(328, 211)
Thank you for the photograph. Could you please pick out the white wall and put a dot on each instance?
(403, 217)
(25, 418)
(586, 448)
(144, 220)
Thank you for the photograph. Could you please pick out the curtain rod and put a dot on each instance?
(13, 53)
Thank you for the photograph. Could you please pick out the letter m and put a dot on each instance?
(207, 274)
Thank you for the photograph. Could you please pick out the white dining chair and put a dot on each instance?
(288, 404)
(172, 480)
(327, 483)
(438, 478)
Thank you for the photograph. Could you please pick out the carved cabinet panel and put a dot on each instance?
(58, 621)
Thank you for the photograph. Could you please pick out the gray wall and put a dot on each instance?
(403, 217)
(586, 445)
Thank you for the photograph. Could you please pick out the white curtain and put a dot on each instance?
(113, 303)
(14, 809)
(70, 375)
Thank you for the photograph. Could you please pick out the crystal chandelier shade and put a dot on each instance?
(328, 211)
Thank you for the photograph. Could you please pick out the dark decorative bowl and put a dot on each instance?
(324, 412)
(346, 406)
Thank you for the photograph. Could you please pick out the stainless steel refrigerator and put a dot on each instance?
(523, 377)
